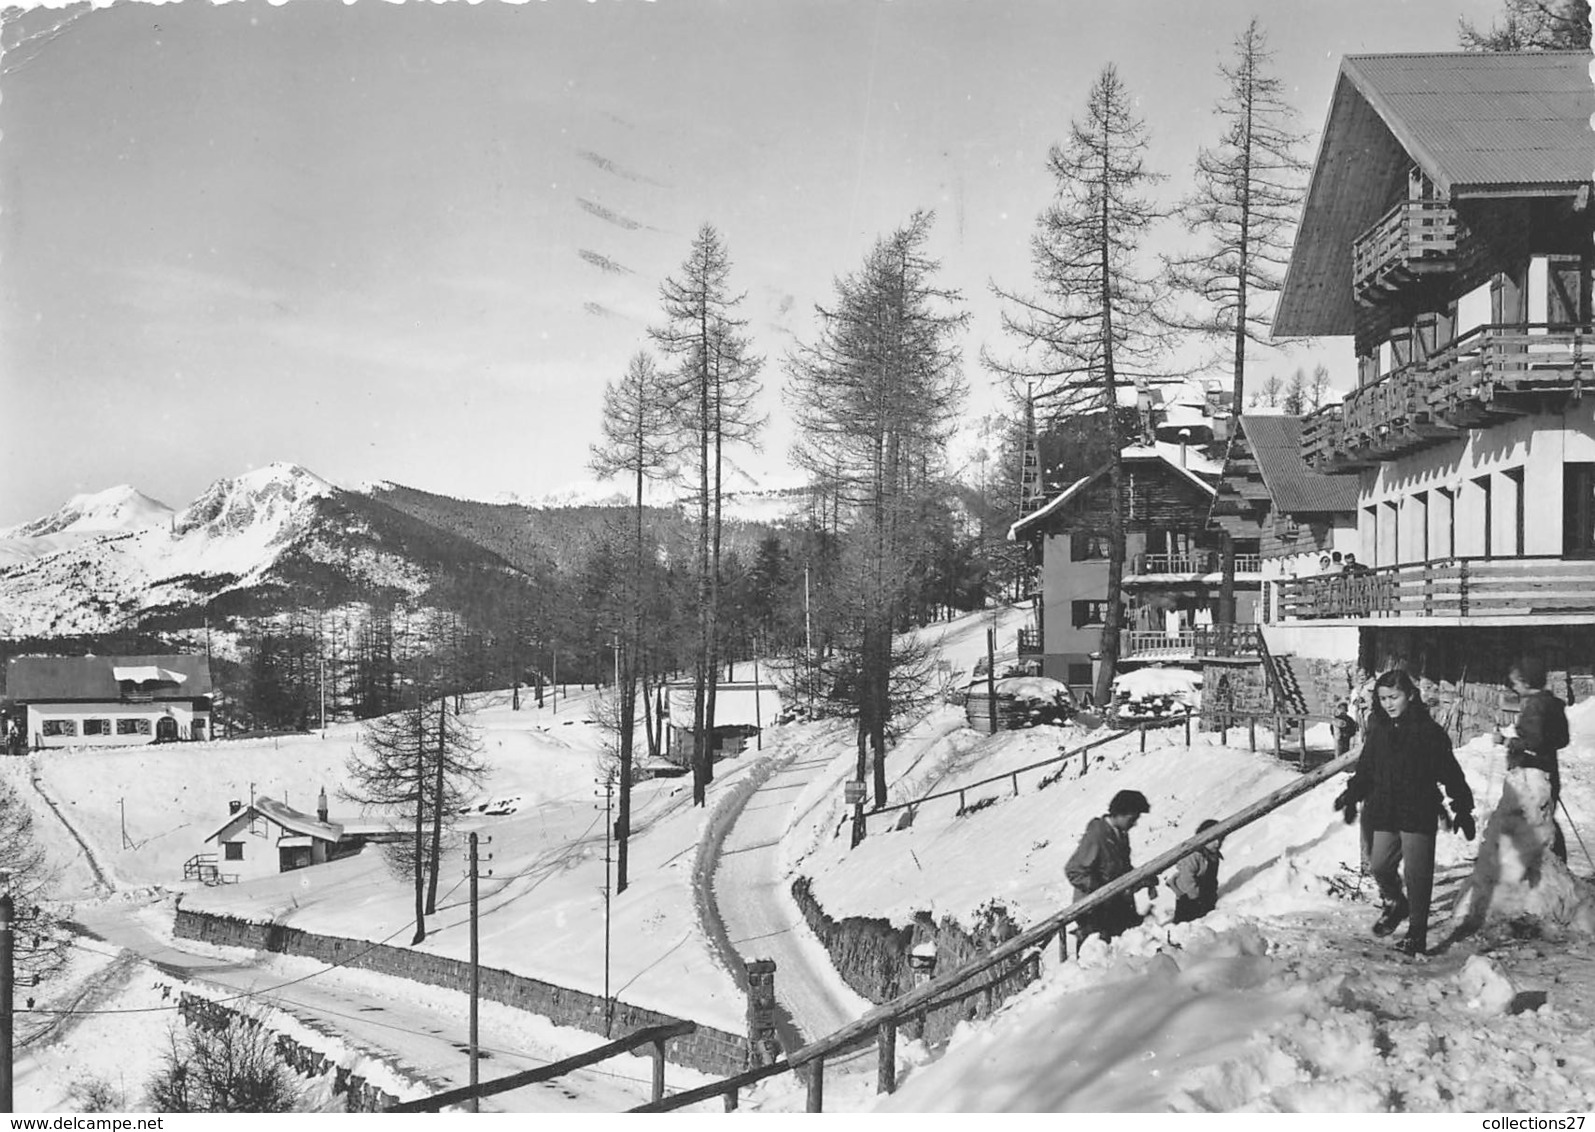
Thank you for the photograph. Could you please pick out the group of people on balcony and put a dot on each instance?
(1336, 563)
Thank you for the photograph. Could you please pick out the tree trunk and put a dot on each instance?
(437, 809)
(420, 826)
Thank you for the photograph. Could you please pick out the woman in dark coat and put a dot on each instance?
(1406, 757)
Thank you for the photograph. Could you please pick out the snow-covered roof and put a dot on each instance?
(46, 678)
(1136, 454)
(286, 816)
(735, 705)
(147, 674)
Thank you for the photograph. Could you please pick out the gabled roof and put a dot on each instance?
(740, 704)
(1479, 124)
(1157, 454)
(1294, 488)
(32, 678)
(305, 825)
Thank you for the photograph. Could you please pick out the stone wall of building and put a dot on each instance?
(708, 1050)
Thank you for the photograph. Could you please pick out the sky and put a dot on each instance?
(412, 242)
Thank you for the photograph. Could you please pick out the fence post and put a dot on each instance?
(886, 1052)
(1016, 784)
(731, 1100)
(1251, 731)
(816, 1083)
(1142, 730)
(659, 1070)
(1187, 727)
(1277, 726)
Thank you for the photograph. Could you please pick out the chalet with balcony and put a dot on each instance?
(1173, 564)
(1447, 235)
(109, 701)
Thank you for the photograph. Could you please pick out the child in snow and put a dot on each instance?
(1541, 733)
(1103, 855)
(1405, 757)
(1195, 882)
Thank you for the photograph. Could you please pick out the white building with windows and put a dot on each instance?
(109, 701)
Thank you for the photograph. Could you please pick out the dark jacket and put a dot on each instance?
(1541, 732)
(1103, 855)
(1403, 764)
(1196, 877)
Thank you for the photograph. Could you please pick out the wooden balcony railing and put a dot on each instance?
(1240, 639)
(1491, 374)
(1141, 644)
(1029, 643)
(1457, 587)
(1199, 562)
(1415, 237)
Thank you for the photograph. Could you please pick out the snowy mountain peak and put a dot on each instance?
(266, 500)
(120, 508)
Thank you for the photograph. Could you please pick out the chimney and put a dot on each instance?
(234, 806)
(321, 804)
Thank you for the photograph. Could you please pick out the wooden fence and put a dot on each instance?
(1452, 587)
(881, 1024)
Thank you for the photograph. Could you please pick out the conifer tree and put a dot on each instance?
(1095, 322)
(638, 442)
(876, 397)
(714, 383)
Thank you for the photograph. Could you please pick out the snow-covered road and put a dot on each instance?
(760, 916)
(419, 1031)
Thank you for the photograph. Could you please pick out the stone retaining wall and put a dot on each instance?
(359, 1095)
(708, 1050)
(872, 957)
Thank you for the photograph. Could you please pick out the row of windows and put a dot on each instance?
(1428, 519)
(68, 728)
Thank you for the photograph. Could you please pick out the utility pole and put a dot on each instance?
(609, 789)
(323, 696)
(758, 721)
(476, 969)
(6, 911)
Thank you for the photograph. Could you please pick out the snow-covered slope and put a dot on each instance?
(121, 508)
(84, 518)
(266, 530)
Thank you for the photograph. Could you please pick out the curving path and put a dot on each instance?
(749, 893)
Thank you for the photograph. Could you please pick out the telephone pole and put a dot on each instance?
(6, 911)
(476, 969)
(609, 790)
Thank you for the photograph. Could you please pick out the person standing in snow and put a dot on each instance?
(1406, 757)
(1103, 855)
(1195, 882)
(1541, 733)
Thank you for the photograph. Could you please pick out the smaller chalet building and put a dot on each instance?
(1302, 513)
(741, 710)
(1173, 569)
(109, 701)
(267, 836)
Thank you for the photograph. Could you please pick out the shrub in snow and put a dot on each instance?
(230, 1068)
(96, 1094)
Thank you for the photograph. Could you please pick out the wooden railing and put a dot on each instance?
(1029, 643)
(1240, 639)
(1138, 644)
(880, 1025)
(1012, 776)
(1468, 384)
(655, 1036)
(1415, 236)
(1454, 587)
(1196, 562)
